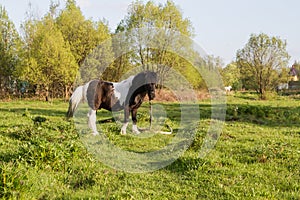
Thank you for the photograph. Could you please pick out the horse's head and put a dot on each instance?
(144, 83)
(151, 81)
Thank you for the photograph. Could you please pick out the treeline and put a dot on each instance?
(261, 65)
(61, 48)
(45, 58)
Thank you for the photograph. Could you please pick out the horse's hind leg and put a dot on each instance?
(92, 121)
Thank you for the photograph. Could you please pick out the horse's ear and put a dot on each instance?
(98, 95)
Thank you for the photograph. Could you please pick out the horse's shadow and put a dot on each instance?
(107, 120)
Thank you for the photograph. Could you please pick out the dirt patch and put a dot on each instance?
(164, 95)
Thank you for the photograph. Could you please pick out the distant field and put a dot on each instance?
(256, 157)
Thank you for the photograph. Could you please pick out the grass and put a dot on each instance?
(257, 156)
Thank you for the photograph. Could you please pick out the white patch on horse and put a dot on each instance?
(77, 95)
(135, 129)
(123, 129)
(122, 88)
(85, 88)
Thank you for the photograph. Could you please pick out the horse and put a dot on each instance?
(127, 95)
(228, 88)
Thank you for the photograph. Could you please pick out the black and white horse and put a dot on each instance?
(115, 96)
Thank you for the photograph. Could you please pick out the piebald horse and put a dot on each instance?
(127, 95)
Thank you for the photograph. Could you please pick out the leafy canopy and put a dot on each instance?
(262, 62)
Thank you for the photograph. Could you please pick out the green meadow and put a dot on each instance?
(257, 155)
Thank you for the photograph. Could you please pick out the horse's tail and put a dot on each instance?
(75, 99)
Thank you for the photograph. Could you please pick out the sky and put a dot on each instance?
(221, 27)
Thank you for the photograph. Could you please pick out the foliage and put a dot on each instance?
(49, 60)
(63, 45)
(122, 55)
(53, 49)
(77, 31)
(10, 45)
(210, 67)
(262, 62)
(57, 44)
(89, 41)
(157, 37)
(231, 76)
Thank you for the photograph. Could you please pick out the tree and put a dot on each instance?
(10, 44)
(261, 62)
(100, 57)
(48, 62)
(210, 67)
(231, 76)
(83, 35)
(154, 31)
(122, 55)
(58, 44)
(90, 42)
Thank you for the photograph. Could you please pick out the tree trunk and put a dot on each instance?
(67, 92)
(47, 93)
(262, 94)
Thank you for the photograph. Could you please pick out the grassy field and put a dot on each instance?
(257, 156)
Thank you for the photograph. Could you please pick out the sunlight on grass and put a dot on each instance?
(256, 156)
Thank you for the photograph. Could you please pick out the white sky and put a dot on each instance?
(221, 26)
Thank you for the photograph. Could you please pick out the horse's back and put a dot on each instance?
(122, 88)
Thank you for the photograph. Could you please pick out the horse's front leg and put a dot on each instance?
(134, 121)
(126, 119)
(92, 121)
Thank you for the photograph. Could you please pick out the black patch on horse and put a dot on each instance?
(100, 94)
(142, 84)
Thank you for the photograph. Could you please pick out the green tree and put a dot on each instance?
(153, 32)
(210, 67)
(83, 35)
(231, 76)
(10, 44)
(261, 62)
(49, 62)
(90, 42)
(122, 55)
(100, 57)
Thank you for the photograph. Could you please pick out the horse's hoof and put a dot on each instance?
(95, 133)
(123, 132)
(136, 132)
